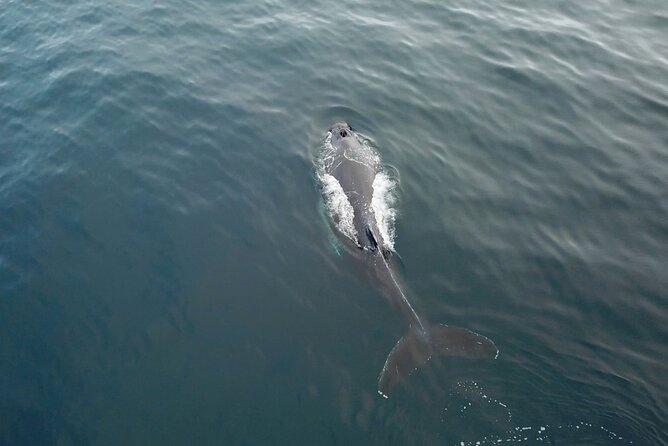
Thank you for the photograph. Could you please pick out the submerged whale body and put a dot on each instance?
(354, 188)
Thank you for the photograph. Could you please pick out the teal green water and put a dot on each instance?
(166, 274)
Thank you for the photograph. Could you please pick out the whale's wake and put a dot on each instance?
(382, 202)
(338, 207)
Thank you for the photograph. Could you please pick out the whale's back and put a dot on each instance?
(355, 166)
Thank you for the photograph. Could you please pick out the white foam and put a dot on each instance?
(521, 434)
(382, 203)
(338, 207)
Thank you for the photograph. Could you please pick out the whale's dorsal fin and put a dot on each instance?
(372, 239)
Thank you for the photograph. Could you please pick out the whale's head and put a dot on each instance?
(340, 130)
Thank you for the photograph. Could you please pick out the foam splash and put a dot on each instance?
(382, 203)
(475, 394)
(325, 160)
(542, 434)
(338, 207)
(546, 434)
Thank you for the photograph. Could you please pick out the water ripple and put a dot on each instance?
(164, 259)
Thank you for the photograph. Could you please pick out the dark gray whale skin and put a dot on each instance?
(355, 167)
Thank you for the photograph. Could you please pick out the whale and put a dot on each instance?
(351, 177)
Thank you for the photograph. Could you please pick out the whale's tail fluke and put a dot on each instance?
(417, 347)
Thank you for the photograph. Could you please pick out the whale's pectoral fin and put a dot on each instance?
(416, 348)
(372, 239)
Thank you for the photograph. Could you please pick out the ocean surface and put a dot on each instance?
(167, 273)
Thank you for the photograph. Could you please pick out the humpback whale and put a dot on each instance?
(353, 184)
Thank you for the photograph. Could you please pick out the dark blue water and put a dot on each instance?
(166, 274)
